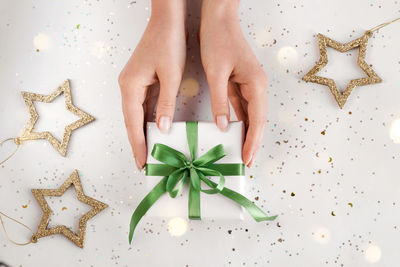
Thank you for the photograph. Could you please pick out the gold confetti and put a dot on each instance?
(64, 208)
(350, 204)
(332, 213)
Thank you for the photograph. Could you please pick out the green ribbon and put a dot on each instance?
(178, 169)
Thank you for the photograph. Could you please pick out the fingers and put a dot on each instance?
(257, 111)
(218, 83)
(169, 85)
(150, 102)
(236, 100)
(133, 96)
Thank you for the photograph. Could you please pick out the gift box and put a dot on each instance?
(195, 171)
(212, 206)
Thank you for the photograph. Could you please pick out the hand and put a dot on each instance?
(159, 58)
(233, 73)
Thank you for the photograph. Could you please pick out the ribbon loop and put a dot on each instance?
(178, 176)
(212, 155)
(17, 141)
(214, 189)
(168, 155)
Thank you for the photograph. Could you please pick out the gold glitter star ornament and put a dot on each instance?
(43, 229)
(361, 43)
(62, 145)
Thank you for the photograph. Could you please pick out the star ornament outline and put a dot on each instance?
(361, 43)
(29, 134)
(43, 230)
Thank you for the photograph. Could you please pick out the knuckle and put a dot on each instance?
(172, 73)
(122, 80)
(263, 80)
(215, 75)
(260, 81)
(220, 101)
(261, 121)
(125, 81)
(166, 104)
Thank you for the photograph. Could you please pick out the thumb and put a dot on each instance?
(219, 100)
(166, 104)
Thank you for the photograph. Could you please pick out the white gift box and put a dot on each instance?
(213, 206)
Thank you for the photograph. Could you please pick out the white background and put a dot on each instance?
(294, 157)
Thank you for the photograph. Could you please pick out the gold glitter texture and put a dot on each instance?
(361, 43)
(78, 238)
(29, 134)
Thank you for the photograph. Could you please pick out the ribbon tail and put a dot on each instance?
(194, 203)
(257, 213)
(146, 204)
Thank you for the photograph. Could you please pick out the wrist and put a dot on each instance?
(219, 11)
(170, 12)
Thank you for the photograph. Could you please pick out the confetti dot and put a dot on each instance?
(287, 56)
(395, 131)
(373, 254)
(322, 235)
(177, 226)
(97, 49)
(190, 87)
(42, 42)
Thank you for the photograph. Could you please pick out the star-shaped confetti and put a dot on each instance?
(62, 145)
(361, 43)
(43, 229)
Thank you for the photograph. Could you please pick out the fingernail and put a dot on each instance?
(222, 122)
(138, 165)
(164, 124)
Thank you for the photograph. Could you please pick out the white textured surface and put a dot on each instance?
(294, 157)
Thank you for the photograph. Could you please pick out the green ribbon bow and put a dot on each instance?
(178, 169)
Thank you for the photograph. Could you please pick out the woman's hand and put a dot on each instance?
(159, 58)
(233, 72)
